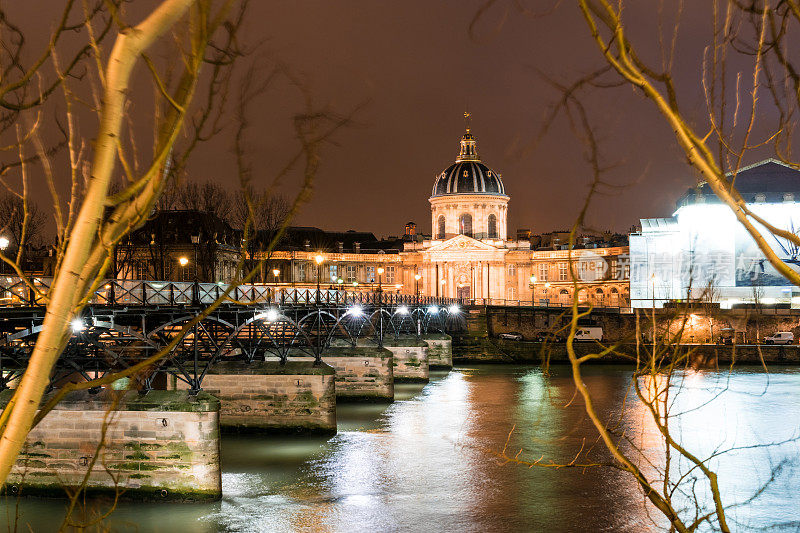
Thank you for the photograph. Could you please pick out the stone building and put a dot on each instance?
(179, 245)
(468, 253)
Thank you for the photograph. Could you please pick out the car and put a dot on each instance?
(548, 336)
(781, 337)
(512, 336)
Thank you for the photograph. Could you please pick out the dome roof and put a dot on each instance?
(468, 175)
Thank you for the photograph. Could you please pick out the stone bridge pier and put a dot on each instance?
(364, 373)
(410, 356)
(270, 397)
(163, 445)
(440, 351)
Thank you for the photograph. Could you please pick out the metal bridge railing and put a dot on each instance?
(15, 292)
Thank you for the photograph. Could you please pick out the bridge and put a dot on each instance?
(129, 321)
(267, 359)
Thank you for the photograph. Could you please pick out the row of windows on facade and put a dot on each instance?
(465, 226)
(144, 270)
(599, 297)
(348, 273)
(586, 270)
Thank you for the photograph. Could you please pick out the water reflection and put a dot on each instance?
(425, 462)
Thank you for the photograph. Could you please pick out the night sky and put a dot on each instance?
(414, 68)
(417, 68)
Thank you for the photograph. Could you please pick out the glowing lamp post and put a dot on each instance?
(417, 277)
(653, 285)
(380, 279)
(275, 273)
(319, 260)
(533, 289)
(183, 261)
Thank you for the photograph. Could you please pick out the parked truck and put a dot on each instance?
(589, 333)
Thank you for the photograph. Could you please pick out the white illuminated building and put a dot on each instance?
(704, 253)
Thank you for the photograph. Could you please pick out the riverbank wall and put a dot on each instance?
(487, 350)
(480, 342)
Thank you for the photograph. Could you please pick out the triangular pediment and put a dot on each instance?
(461, 243)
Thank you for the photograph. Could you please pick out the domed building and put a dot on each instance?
(467, 255)
(469, 198)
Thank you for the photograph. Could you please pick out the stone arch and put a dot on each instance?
(599, 296)
(563, 297)
(614, 297)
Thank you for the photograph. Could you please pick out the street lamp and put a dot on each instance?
(276, 272)
(417, 277)
(183, 261)
(380, 278)
(533, 289)
(319, 259)
(653, 283)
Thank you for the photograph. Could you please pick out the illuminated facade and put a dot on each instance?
(468, 254)
(703, 253)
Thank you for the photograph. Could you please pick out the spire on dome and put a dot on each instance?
(469, 150)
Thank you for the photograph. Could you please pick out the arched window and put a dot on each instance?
(614, 297)
(492, 222)
(440, 227)
(581, 295)
(465, 224)
(563, 297)
(599, 297)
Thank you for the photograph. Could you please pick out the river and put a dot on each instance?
(428, 461)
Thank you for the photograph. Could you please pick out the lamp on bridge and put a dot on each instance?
(183, 261)
(319, 260)
(533, 289)
(417, 277)
(380, 279)
(276, 272)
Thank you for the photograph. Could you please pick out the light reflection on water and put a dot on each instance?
(423, 462)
